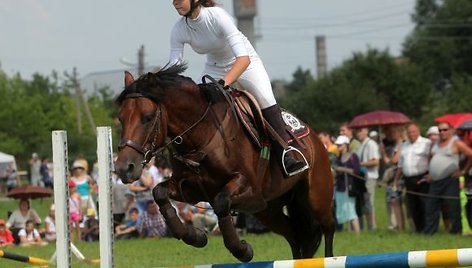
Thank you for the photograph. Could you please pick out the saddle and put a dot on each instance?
(249, 114)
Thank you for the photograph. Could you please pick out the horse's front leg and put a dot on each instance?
(190, 235)
(222, 207)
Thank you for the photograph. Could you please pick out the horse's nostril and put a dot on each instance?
(130, 167)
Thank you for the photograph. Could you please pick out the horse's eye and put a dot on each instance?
(147, 118)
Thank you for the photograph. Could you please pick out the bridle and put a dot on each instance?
(148, 151)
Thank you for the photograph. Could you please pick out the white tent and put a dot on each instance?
(5, 160)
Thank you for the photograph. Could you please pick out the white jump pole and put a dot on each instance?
(61, 200)
(105, 168)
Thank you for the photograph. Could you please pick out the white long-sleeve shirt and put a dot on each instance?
(213, 33)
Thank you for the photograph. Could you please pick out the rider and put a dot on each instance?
(211, 30)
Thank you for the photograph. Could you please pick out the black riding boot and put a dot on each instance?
(291, 165)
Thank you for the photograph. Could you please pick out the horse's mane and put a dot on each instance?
(153, 85)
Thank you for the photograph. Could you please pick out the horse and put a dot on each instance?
(214, 160)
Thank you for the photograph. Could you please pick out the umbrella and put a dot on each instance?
(379, 118)
(454, 120)
(29, 192)
(467, 125)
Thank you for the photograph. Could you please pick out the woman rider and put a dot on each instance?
(211, 30)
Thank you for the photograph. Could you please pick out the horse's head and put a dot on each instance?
(144, 128)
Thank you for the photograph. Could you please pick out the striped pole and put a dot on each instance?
(16, 257)
(412, 259)
(105, 168)
(61, 198)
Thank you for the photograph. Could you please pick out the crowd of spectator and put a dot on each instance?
(424, 177)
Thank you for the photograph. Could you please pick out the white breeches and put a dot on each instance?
(255, 80)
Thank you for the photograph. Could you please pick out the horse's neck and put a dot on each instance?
(193, 118)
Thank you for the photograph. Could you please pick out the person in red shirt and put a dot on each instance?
(6, 238)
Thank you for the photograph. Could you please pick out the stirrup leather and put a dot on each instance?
(289, 149)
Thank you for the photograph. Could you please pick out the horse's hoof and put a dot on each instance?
(247, 254)
(201, 238)
(195, 237)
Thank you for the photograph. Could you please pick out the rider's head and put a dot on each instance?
(187, 7)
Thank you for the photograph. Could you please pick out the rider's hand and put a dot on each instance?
(222, 83)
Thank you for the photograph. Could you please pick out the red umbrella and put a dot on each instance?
(29, 192)
(454, 120)
(379, 118)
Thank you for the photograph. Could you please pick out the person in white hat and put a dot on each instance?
(433, 133)
(347, 185)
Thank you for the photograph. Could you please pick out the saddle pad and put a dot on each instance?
(247, 108)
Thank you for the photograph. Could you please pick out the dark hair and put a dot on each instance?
(133, 210)
(206, 3)
(28, 222)
(27, 202)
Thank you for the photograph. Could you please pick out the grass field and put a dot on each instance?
(172, 252)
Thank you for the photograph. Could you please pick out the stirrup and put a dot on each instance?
(289, 149)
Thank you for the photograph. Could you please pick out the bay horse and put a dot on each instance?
(213, 160)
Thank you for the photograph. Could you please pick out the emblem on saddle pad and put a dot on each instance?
(290, 120)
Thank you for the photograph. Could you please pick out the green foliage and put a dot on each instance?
(441, 41)
(366, 82)
(32, 109)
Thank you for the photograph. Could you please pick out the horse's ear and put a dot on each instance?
(128, 78)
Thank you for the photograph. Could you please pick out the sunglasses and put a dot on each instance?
(443, 129)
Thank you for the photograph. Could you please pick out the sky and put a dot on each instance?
(95, 36)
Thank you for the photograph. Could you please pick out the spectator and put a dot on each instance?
(46, 177)
(142, 188)
(118, 190)
(413, 166)
(443, 175)
(466, 137)
(50, 224)
(19, 217)
(184, 211)
(433, 133)
(204, 217)
(83, 184)
(91, 230)
(348, 167)
(130, 229)
(35, 166)
(83, 162)
(6, 238)
(374, 135)
(12, 178)
(29, 236)
(390, 152)
(75, 215)
(332, 148)
(151, 222)
(369, 159)
(130, 201)
(345, 130)
(154, 171)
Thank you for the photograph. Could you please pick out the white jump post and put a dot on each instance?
(105, 168)
(61, 197)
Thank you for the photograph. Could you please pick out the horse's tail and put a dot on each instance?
(307, 231)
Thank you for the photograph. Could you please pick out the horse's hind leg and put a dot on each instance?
(274, 219)
(188, 234)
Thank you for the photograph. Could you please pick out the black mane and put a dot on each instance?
(153, 85)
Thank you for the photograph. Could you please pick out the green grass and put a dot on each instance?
(172, 252)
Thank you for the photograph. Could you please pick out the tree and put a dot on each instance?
(441, 42)
(368, 81)
(32, 109)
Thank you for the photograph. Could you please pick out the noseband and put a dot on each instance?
(149, 147)
(149, 151)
